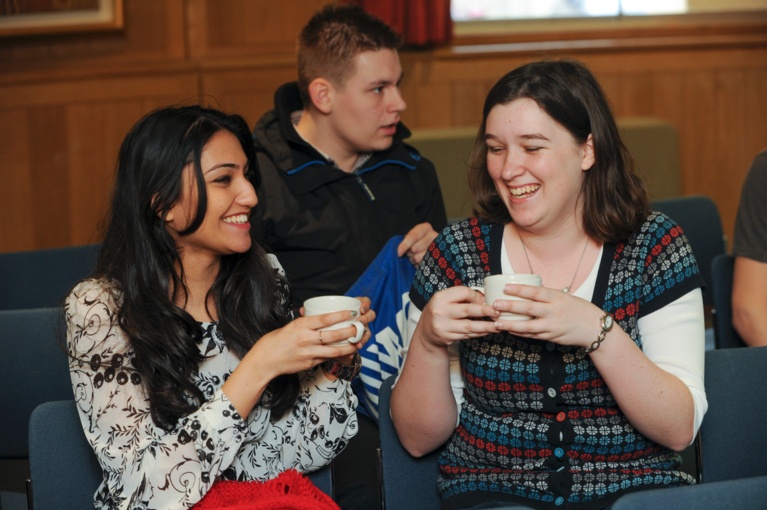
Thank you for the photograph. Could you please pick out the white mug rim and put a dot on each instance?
(319, 305)
(509, 277)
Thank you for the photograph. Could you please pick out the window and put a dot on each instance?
(485, 10)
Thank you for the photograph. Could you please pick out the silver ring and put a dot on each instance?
(320, 332)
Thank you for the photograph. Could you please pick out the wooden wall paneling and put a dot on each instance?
(81, 92)
(709, 107)
(753, 94)
(667, 105)
(248, 91)
(91, 165)
(611, 85)
(633, 96)
(92, 161)
(696, 134)
(666, 97)
(701, 94)
(449, 90)
(678, 86)
(477, 66)
(48, 170)
(729, 128)
(15, 193)
(174, 87)
(173, 13)
(754, 137)
(245, 27)
(68, 151)
(664, 61)
(429, 103)
(35, 149)
(468, 98)
(196, 15)
(153, 30)
(408, 90)
(755, 98)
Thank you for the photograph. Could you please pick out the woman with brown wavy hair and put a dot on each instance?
(594, 394)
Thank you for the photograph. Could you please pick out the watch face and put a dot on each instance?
(607, 323)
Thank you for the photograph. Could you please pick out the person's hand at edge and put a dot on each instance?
(416, 242)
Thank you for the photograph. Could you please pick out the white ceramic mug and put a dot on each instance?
(494, 285)
(327, 304)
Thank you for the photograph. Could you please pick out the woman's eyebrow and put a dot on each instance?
(534, 136)
(222, 165)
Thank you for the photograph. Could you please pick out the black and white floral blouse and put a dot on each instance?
(147, 467)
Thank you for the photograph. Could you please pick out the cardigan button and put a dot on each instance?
(559, 501)
(552, 392)
(561, 416)
(559, 453)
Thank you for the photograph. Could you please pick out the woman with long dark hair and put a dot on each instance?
(594, 394)
(186, 362)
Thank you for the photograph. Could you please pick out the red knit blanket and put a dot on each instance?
(289, 491)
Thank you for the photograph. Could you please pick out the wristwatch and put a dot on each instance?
(345, 372)
(606, 321)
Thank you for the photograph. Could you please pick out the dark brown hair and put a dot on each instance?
(615, 202)
(139, 258)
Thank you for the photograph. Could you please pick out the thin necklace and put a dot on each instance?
(569, 287)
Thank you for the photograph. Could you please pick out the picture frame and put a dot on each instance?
(57, 17)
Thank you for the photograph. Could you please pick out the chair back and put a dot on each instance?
(406, 481)
(699, 218)
(725, 336)
(33, 370)
(64, 471)
(733, 442)
(742, 494)
(323, 479)
(42, 278)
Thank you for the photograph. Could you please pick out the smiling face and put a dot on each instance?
(536, 165)
(365, 109)
(230, 196)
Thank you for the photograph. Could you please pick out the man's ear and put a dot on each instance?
(588, 154)
(321, 92)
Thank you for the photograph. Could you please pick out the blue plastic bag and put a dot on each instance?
(387, 283)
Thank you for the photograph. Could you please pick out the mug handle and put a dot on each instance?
(360, 331)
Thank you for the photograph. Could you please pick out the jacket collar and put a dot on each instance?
(303, 166)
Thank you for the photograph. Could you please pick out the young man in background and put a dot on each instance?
(337, 182)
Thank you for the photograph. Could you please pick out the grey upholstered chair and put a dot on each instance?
(33, 370)
(733, 442)
(42, 278)
(64, 471)
(741, 494)
(722, 270)
(699, 218)
(406, 481)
